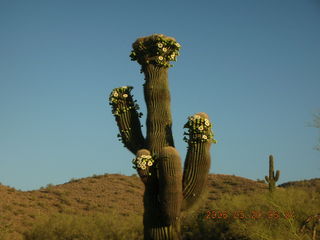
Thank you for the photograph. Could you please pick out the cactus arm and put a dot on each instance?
(144, 164)
(125, 111)
(197, 163)
(276, 178)
(267, 179)
(162, 198)
(170, 184)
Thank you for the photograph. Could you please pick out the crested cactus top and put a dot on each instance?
(156, 49)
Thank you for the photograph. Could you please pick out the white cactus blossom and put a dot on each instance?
(143, 162)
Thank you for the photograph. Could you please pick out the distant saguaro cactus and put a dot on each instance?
(168, 188)
(272, 179)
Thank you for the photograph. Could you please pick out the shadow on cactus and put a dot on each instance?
(169, 189)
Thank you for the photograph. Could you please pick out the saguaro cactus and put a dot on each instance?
(168, 188)
(272, 179)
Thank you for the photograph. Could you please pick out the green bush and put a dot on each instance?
(235, 218)
(262, 216)
(90, 227)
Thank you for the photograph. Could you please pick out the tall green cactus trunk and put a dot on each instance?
(157, 97)
(273, 178)
(168, 189)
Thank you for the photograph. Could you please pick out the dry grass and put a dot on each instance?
(312, 184)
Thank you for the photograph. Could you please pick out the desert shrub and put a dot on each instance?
(90, 227)
(229, 218)
(5, 229)
(74, 180)
(261, 180)
(262, 216)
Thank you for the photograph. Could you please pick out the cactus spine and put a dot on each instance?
(273, 178)
(169, 189)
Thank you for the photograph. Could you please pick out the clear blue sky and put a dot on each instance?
(253, 66)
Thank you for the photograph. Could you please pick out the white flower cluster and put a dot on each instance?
(120, 96)
(156, 49)
(143, 162)
(199, 130)
(164, 50)
(116, 94)
(121, 91)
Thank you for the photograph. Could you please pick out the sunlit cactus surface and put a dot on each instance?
(169, 189)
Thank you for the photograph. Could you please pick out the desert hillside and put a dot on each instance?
(111, 194)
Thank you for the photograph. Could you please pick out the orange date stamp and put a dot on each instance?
(251, 215)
